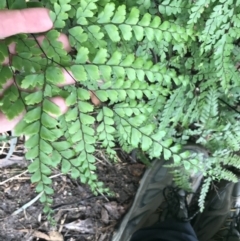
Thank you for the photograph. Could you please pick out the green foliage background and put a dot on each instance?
(165, 72)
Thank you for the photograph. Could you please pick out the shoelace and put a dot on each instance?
(174, 201)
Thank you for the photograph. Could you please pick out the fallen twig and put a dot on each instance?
(25, 206)
(14, 177)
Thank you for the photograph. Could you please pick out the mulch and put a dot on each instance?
(79, 215)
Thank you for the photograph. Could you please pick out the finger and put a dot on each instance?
(60, 102)
(5, 86)
(94, 99)
(8, 125)
(65, 40)
(31, 20)
(69, 79)
(62, 38)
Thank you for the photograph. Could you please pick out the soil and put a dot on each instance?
(79, 215)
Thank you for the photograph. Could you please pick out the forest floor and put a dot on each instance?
(79, 215)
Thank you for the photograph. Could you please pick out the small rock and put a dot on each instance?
(112, 208)
(104, 216)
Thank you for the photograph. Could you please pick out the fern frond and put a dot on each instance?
(164, 73)
(197, 10)
(203, 193)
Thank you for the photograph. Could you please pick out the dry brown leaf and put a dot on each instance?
(36, 234)
(55, 236)
(52, 236)
(82, 226)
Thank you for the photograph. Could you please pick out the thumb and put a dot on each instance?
(31, 20)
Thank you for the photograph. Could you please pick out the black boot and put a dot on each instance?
(220, 218)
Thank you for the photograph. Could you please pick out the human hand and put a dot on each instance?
(32, 20)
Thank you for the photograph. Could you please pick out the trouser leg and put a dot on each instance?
(168, 230)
